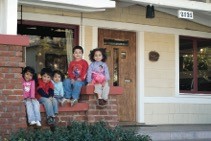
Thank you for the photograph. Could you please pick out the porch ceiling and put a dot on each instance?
(201, 8)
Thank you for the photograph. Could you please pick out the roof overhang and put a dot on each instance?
(200, 8)
(73, 5)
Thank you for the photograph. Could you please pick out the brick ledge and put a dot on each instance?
(14, 40)
(76, 108)
(114, 90)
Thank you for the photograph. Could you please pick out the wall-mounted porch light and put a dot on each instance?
(150, 12)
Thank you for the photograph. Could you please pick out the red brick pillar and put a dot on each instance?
(109, 114)
(12, 110)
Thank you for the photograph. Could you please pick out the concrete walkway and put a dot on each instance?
(188, 132)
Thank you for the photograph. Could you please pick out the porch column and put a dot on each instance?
(13, 115)
(140, 78)
(8, 16)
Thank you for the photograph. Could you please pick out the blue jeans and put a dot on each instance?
(58, 98)
(72, 90)
(51, 106)
(33, 110)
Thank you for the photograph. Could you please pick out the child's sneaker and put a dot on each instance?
(100, 101)
(32, 123)
(73, 102)
(38, 123)
(105, 102)
(50, 121)
(63, 101)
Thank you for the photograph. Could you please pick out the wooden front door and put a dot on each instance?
(121, 52)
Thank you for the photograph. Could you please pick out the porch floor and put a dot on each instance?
(173, 132)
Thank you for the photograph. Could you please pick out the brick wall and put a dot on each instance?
(108, 114)
(87, 109)
(12, 110)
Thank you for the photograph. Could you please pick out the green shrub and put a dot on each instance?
(78, 131)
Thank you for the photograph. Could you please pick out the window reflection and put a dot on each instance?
(186, 64)
(195, 65)
(204, 65)
(116, 67)
(47, 52)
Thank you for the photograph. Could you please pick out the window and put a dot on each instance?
(195, 65)
(50, 44)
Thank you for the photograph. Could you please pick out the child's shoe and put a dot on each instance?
(63, 101)
(50, 120)
(105, 102)
(32, 123)
(38, 123)
(100, 101)
(73, 102)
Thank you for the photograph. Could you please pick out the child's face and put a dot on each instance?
(28, 76)
(56, 78)
(77, 54)
(46, 78)
(98, 56)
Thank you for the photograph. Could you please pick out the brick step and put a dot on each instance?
(81, 106)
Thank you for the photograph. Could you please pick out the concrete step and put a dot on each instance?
(188, 132)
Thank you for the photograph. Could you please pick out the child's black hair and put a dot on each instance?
(77, 47)
(92, 53)
(59, 73)
(31, 70)
(47, 71)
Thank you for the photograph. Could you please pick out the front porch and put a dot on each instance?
(13, 116)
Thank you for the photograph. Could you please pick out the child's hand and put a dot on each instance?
(51, 98)
(103, 84)
(78, 79)
(90, 83)
(72, 81)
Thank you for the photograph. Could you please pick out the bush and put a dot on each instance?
(79, 132)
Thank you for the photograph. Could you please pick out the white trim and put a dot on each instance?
(140, 78)
(82, 36)
(179, 100)
(144, 28)
(95, 37)
(8, 17)
(176, 65)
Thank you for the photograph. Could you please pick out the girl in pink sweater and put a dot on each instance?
(32, 105)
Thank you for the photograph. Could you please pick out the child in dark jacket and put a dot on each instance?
(45, 95)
